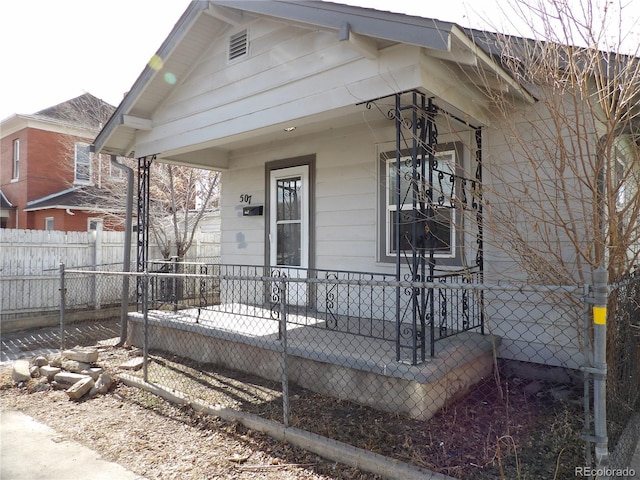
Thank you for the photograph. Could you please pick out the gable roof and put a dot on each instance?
(86, 110)
(81, 116)
(202, 22)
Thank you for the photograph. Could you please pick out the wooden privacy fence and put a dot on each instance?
(30, 268)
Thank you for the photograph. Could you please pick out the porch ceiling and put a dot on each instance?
(215, 153)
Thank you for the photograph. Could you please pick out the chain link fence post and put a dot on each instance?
(586, 376)
(174, 283)
(283, 341)
(600, 294)
(63, 292)
(145, 334)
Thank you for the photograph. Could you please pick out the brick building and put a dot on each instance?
(47, 168)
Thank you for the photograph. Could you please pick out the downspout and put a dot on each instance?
(126, 262)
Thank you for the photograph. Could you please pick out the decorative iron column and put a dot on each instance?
(426, 188)
(417, 117)
(144, 174)
(476, 205)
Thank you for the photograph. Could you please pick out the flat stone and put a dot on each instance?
(102, 385)
(40, 361)
(42, 385)
(56, 362)
(49, 371)
(80, 354)
(21, 371)
(133, 364)
(75, 366)
(78, 389)
(34, 371)
(68, 379)
(93, 372)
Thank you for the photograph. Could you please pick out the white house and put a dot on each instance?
(350, 139)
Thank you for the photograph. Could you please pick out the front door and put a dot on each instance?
(289, 227)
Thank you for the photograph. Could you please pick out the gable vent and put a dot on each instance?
(238, 45)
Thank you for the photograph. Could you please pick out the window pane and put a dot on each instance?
(288, 248)
(16, 158)
(443, 181)
(443, 186)
(406, 179)
(83, 162)
(289, 199)
(436, 234)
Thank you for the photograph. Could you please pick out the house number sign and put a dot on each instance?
(245, 198)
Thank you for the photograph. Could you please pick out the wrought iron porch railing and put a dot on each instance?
(374, 305)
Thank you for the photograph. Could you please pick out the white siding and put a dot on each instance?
(345, 202)
(290, 73)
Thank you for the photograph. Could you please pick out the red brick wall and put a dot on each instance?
(15, 190)
(46, 167)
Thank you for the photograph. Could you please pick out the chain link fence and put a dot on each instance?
(623, 368)
(343, 355)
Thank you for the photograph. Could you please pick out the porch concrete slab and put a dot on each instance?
(344, 365)
(309, 337)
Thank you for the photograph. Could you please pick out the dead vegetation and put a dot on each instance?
(523, 430)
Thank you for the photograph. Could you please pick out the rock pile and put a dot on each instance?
(76, 371)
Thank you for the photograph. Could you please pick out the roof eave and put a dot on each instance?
(189, 16)
(494, 66)
(389, 26)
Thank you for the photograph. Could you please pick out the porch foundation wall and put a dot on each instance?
(420, 400)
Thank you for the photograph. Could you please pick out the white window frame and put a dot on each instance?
(49, 224)
(391, 208)
(95, 220)
(77, 164)
(283, 173)
(620, 170)
(16, 159)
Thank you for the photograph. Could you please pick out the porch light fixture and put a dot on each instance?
(289, 129)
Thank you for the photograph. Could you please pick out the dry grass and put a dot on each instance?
(491, 433)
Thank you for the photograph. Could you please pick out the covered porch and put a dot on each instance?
(336, 332)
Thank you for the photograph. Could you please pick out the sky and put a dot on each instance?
(55, 50)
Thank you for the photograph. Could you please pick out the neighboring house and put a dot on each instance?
(6, 210)
(316, 113)
(47, 167)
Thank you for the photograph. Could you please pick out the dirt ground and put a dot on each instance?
(159, 441)
(504, 428)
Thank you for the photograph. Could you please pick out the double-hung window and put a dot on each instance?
(16, 159)
(431, 223)
(82, 163)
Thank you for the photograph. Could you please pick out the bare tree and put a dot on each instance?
(179, 196)
(567, 199)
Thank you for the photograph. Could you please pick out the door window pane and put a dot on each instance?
(289, 199)
(288, 249)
